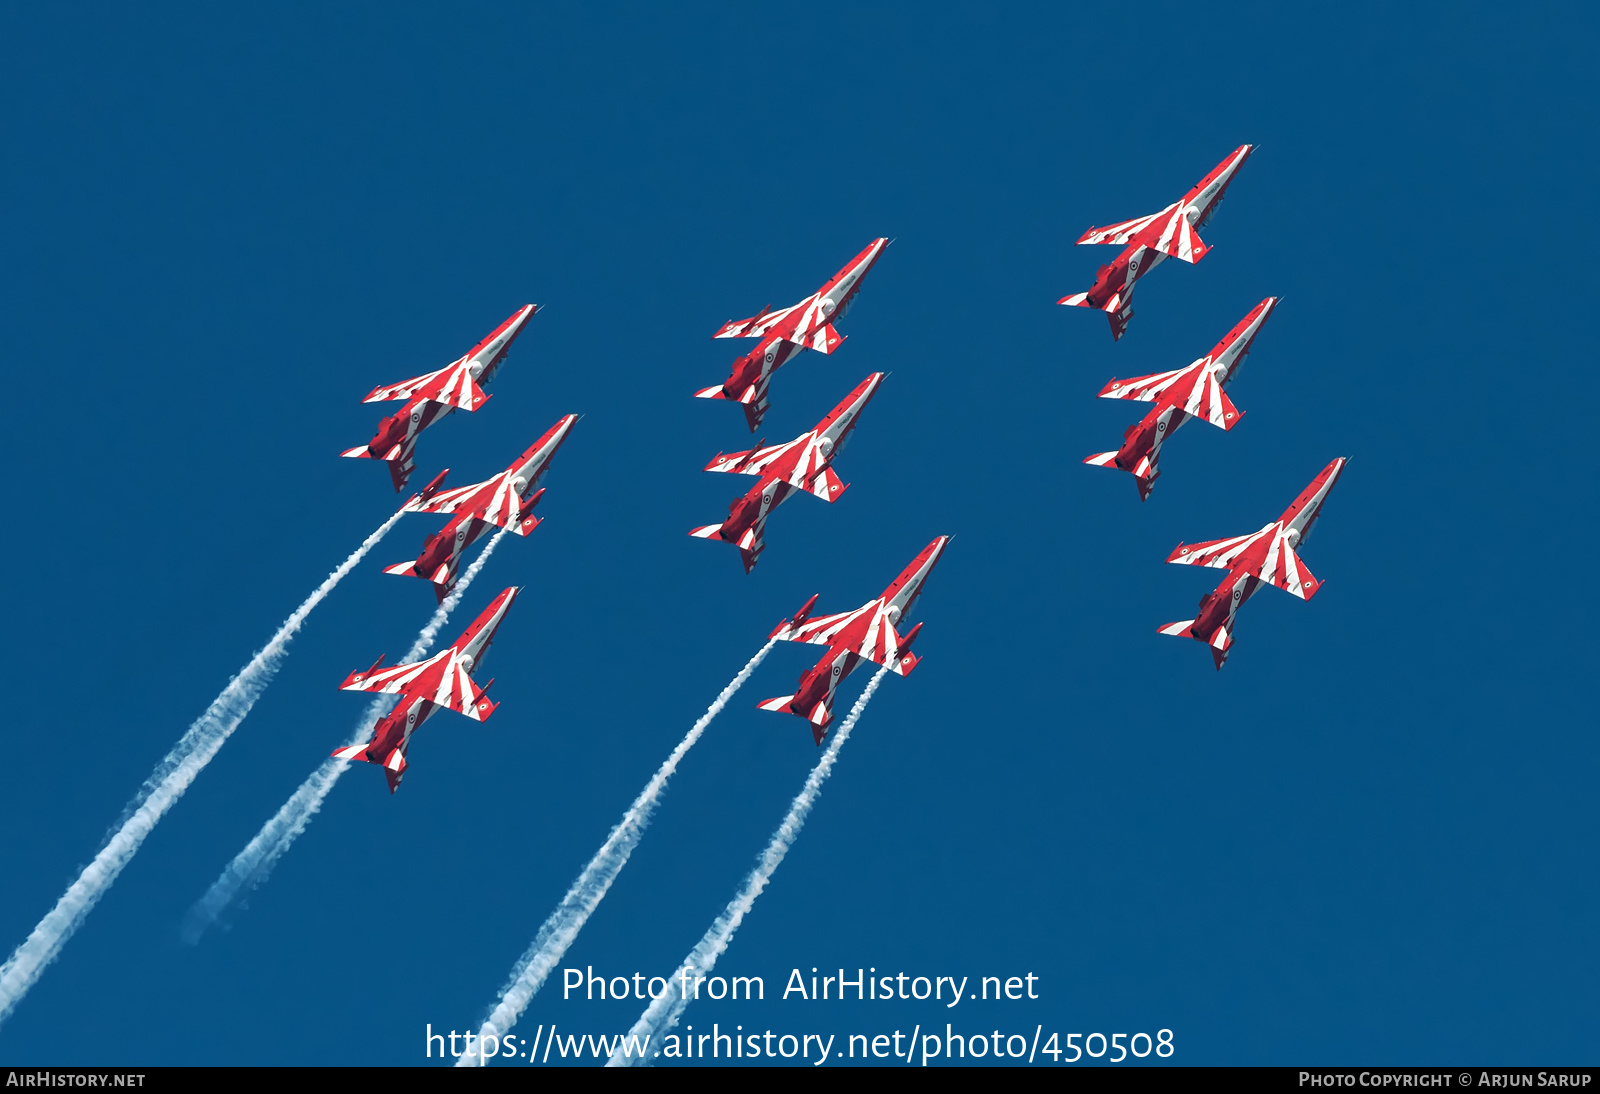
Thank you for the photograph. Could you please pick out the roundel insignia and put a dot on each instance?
(836, 670)
(1237, 593)
(1161, 427)
(1184, 551)
(416, 415)
(461, 534)
(358, 678)
(766, 498)
(835, 486)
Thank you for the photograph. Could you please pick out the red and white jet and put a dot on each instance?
(1194, 391)
(784, 333)
(805, 463)
(1267, 556)
(1149, 241)
(433, 396)
(501, 502)
(868, 632)
(442, 682)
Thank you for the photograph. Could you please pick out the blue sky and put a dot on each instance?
(1367, 840)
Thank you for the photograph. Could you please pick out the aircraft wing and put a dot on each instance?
(404, 389)
(448, 501)
(751, 462)
(452, 385)
(1143, 389)
(1123, 232)
(817, 631)
(756, 325)
(1217, 554)
(418, 678)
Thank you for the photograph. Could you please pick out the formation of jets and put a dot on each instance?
(505, 502)
(805, 464)
(1196, 391)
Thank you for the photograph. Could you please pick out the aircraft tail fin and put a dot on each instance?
(783, 704)
(1180, 629)
(354, 752)
(707, 531)
(1076, 300)
(405, 569)
(711, 393)
(1102, 459)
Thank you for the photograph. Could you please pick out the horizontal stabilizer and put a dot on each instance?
(1180, 629)
(1102, 459)
(754, 412)
(780, 705)
(394, 769)
(1076, 300)
(400, 467)
(361, 453)
(354, 752)
(1119, 322)
(711, 393)
(406, 569)
(708, 531)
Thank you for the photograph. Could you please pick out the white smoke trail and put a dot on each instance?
(663, 1012)
(562, 927)
(160, 791)
(252, 865)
